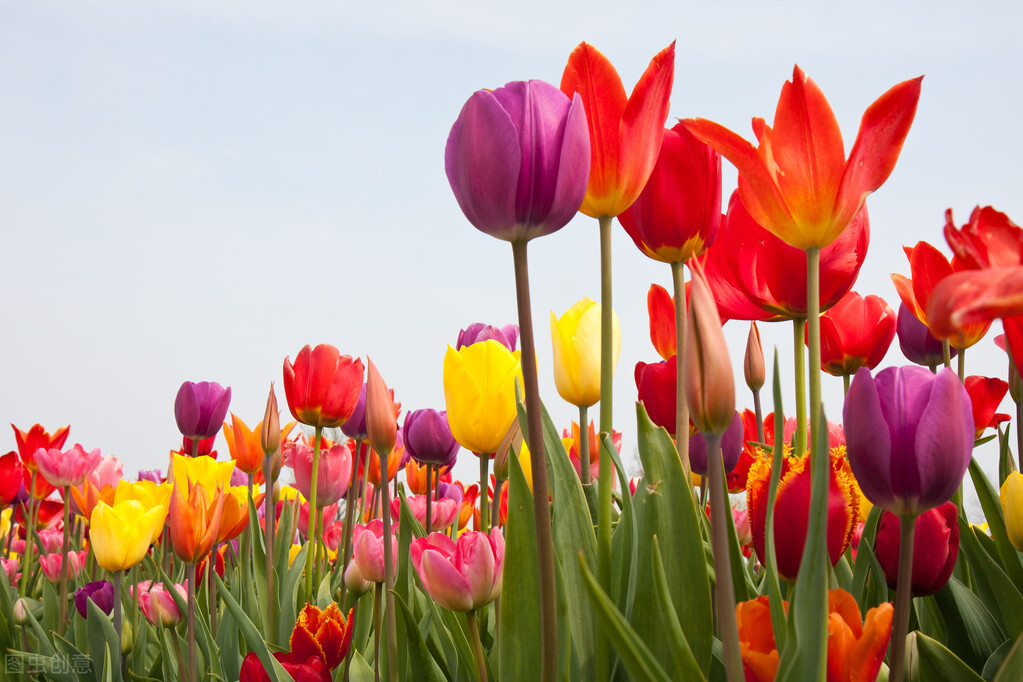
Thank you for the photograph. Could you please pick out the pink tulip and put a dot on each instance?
(443, 511)
(462, 576)
(335, 471)
(52, 564)
(157, 603)
(11, 567)
(368, 550)
(53, 539)
(71, 467)
(108, 472)
(303, 516)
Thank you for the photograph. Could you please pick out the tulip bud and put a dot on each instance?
(1012, 508)
(381, 421)
(270, 435)
(21, 612)
(753, 363)
(512, 438)
(127, 638)
(710, 388)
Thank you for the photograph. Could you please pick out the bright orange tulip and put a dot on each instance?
(88, 496)
(797, 182)
(244, 444)
(235, 516)
(625, 132)
(194, 520)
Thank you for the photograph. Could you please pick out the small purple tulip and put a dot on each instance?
(731, 448)
(428, 438)
(101, 592)
(909, 436)
(355, 426)
(451, 491)
(518, 159)
(154, 475)
(477, 332)
(200, 408)
(916, 341)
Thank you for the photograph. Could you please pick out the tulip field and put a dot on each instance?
(329, 539)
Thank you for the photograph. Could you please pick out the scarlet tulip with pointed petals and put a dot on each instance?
(986, 394)
(963, 304)
(856, 333)
(322, 387)
(326, 634)
(35, 438)
(11, 475)
(797, 182)
(990, 239)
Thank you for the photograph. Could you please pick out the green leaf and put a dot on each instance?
(78, 660)
(1011, 668)
(102, 636)
(989, 501)
(973, 634)
(252, 637)
(665, 507)
(779, 621)
(994, 588)
(624, 544)
(520, 642)
(289, 592)
(423, 666)
(686, 666)
(51, 604)
(869, 585)
(928, 661)
(360, 670)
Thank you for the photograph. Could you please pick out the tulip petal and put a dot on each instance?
(866, 431)
(661, 310)
(443, 582)
(944, 438)
(475, 561)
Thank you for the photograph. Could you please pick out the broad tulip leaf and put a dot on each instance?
(360, 670)
(973, 634)
(82, 664)
(929, 661)
(422, 663)
(778, 617)
(994, 588)
(624, 544)
(101, 636)
(1011, 668)
(996, 523)
(685, 665)
(251, 634)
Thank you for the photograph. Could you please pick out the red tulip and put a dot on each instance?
(797, 183)
(656, 385)
(856, 333)
(986, 394)
(661, 311)
(308, 669)
(678, 213)
(325, 634)
(935, 548)
(963, 304)
(990, 239)
(35, 438)
(625, 133)
(322, 386)
(11, 476)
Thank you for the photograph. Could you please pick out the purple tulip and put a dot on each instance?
(909, 436)
(355, 426)
(518, 159)
(154, 475)
(451, 491)
(477, 332)
(731, 448)
(428, 438)
(916, 341)
(101, 592)
(200, 408)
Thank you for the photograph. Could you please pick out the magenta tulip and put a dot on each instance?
(909, 436)
(477, 332)
(368, 550)
(355, 426)
(200, 408)
(335, 472)
(935, 548)
(518, 159)
(101, 592)
(428, 438)
(917, 342)
(462, 576)
(71, 467)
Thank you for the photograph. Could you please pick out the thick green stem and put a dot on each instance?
(799, 360)
(584, 447)
(681, 407)
(538, 467)
(33, 505)
(376, 632)
(961, 366)
(429, 497)
(192, 672)
(604, 501)
(269, 519)
(484, 485)
(477, 646)
(313, 513)
(385, 514)
(760, 416)
(845, 384)
(903, 594)
(946, 353)
(719, 511)
(64, 561)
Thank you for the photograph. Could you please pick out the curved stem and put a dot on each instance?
(477, 646)
(799, 360)
(538, 467)
(681, 407)
(903, 594)
(313, 513)
(727, 621)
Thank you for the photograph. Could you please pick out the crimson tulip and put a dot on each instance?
(322, 387)
(967, 301)
(986, 394)
(797, 182)
(325, 634)
(11, 476)
(661, 311)
(935, 548)
(37, 437)
(856, 333)
(656, 385)
(990, 239)
(301, 669)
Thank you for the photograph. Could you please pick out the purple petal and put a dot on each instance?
(903, 393)
(868, 442)
(944, 440)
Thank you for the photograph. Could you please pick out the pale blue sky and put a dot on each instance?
(194, 189)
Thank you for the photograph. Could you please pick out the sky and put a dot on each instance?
(195, 189)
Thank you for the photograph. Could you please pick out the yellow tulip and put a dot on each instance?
(151, 495)
(205, 471)
(576, 338)
(121, 534)
(1012, 508)
(479, 392)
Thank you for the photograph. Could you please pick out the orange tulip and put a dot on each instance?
(235, 516)
(625, 132)
(88, 496)
(660, 306)
(244, 445)
(324, 634)
(797, 182)
(194, 520)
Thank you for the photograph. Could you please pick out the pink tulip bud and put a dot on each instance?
(462, 576)
(381, 420)
(443, 511)
(368, 550)
(710, 388)
(52, 565)
(158, 605)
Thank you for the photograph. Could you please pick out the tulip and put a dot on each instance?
(737, 479)
(661, 311)
(731, 448)
(1011, 497)
(909, 436)
(572, 438)
(11, 571)
(355, 426)
(333, 476)
(797, 182)
(655, 384)
(158, 604)
(307, 669)
(624, 133)
(322, 387)
(935, 545)
(194, 520)
(381, 414)
(477, 332)
(372, 464)
(990, 239)
(354, 581)
(710, 389)
(121, 534)
(150, 495)
(154, 475)
(245, 445)
(479, 391)
(463, 576)
(199, 408)
(100, 592)
(325, 634)
(576, 338)
(917, 342)
(368, 550)
(53, 565)
(856, 333)
(965, 302)
(109, 471)
(234, 518)
(469, 496)
(67, 468)
(517, 160)
(443, 513)
(986, 394)
(204, 471)
(37, 437)
(428, 438)
(11, 478)
(753, 370)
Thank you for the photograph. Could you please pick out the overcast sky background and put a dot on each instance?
(194, 189)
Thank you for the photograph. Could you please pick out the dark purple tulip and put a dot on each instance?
(101, 592)
(916, 341)
(154, 475)
(518, 159)
(200, 408)
(428, 438)
(909, 436)
(355, 426)
(477, 332)
(731, 448)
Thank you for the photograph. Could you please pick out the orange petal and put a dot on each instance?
(661, 310)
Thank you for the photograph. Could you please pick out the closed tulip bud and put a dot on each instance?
(270, 434)
(935, 548)
(21, 612)
(753, 362)
(710, 388)
(381, 419)
(731, 448)
(576, 338)
(200, 408)
(127, 638)
(1012, 508)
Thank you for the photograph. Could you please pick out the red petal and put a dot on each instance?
(661, 309)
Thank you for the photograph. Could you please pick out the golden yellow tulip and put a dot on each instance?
(576, 338)
(151, 495)
(205, 471)
(121, 534)
(1012, 508)
(479, 392)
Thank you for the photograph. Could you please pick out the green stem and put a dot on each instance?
(33, 505)
(313, 513)
(719, 510)
(946, 353)
(681, 407)
(376, 633)
(961, 367)
(538, 462)
(269, 520)
(845, 384)
(429, 496)
(484, 485)
(760, 417)
(584, 447)
(903, 594)
(62, 622)
(606, 327)
(117, 615)
(477, 646)
(385, 514)
(603, 662)
(799, 359)
(192, 672)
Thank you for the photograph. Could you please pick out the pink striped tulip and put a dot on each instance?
(462, 576)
